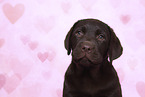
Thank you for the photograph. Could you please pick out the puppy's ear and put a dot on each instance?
(67, 41)
(115, 47)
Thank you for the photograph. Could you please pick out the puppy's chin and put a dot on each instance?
(85, 62)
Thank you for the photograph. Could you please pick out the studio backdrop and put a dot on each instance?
(33, 59)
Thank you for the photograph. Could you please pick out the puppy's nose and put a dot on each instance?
(87, 47)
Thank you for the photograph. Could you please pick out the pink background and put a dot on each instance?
(33, 59)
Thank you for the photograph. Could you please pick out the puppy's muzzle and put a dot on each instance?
(87, 47)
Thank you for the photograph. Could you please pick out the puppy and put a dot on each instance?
(94, 46)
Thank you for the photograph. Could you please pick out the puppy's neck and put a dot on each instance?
(93, 70)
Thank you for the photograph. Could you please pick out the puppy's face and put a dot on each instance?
(90, 41)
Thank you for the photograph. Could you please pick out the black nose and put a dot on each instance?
(87, 47)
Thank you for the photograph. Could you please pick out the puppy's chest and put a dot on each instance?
(89, 85)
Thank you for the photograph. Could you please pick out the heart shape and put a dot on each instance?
(51, 54)
(142, 2)
(2, 80)
(59, 92)
(87, 4)
(42, 56)
(141, 36)
(136, 45)
(46, 75)
(140, 87)
(22, 69)
(12, 83)
(115, 3)
(121, 74)
(132, 63)
(65, 6)
(125, 18)
(13, 13)
(2, 41)
(31, 90)
(33, 45)
(45, 24)
(4, 64)
(25, 39)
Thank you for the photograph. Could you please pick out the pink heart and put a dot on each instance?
(2, 41)
(42, 56)
(121, 74)
(140, 87)
(22, 69)
(66, 7)
(51, 55)
(87, 4)
(46, 75)
(141, 36)
(12, 83)
(33, 45)
(31, 91)
(2, 80)
(115, 3)
(132, 63)
(59, 92)
(133, 45)
(142, 2)
(45, 24)
(25, 39)
(13, 13)
(4, 63)
(125, 18)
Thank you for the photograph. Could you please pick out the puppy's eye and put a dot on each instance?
(79, 33)
(100, 37)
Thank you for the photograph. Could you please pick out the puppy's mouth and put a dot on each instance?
(84, 61)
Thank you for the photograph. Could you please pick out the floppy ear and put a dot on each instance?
(67, 41)
(115, 48)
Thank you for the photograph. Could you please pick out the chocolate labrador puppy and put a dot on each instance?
(94, 46)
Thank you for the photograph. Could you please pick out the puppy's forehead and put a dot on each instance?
(91, 23)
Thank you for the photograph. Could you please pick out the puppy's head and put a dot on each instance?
(91, 41)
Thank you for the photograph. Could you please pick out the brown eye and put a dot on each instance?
(100, 37)
(79, 33)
